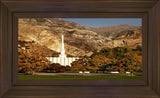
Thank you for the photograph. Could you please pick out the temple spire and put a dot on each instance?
(63, 59)
(62, 48)
(62, 41)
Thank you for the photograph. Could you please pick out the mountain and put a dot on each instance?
(79, 40)
(112, 31)
(34, 47)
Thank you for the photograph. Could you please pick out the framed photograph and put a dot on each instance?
(57, 49)
(80, 48)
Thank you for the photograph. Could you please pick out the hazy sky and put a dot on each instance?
(103, 22)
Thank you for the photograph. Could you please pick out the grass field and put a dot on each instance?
(76, 77)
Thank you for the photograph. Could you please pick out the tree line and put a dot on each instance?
(119, 59)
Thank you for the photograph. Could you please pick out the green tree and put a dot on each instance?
(139, 48)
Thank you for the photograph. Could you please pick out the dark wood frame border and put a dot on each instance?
(75, 82)
(11, 10)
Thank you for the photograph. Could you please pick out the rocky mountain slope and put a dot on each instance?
(113, 31)
(79, 40)
(34, 47)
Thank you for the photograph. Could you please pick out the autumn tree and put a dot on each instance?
(133, 62)
(29, 62)
(118, 59)
(78, 65)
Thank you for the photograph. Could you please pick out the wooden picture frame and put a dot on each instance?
(72, 82)
(11, 10)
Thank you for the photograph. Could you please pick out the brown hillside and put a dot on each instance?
(113, 29)
(79, 40)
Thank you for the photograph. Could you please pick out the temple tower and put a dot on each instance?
(62, 55)
(62, 59)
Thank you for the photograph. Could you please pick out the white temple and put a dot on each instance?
(62, 59)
